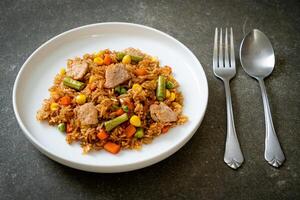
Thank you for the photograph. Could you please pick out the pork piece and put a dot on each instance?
(77, 70)
(134, 52)
(162, 113)
(115, 75)
(87, 114)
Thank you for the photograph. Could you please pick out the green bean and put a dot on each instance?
(73, 83)
(169, 85)
(136, 58)
(61, 127)
(120, 56)
(139, 133)
(111, 124)
(114, 107)
(161, 88)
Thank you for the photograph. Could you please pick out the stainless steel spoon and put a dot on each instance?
(258, 60)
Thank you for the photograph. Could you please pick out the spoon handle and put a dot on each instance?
(233, 155)
(273, 152)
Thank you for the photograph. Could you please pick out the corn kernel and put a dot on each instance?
(126, 59)
(154, 59)
(135, 121)
(62, 71)
(168, 93)
(137, 87)
(98, 61)
(54, 106)
(92, 79)
(80, 99)
(172, 96)
(99, 53)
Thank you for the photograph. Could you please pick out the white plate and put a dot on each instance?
(37, 73)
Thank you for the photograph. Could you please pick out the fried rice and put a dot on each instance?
(97, 88)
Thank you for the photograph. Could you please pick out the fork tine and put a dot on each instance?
(232, 57)
(226, 59)
(215, 54)
(221, 64)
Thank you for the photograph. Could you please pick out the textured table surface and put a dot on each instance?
(197, 171)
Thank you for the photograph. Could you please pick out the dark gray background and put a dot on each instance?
(197, 170)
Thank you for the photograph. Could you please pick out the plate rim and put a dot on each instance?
(92, 167)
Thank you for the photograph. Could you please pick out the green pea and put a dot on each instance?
(120, 56)
(139, 133)
(62, 127)
(123, 90)
(118, 89)
(169, 85)
(125, 108)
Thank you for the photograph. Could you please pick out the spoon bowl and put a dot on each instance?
(257, 54)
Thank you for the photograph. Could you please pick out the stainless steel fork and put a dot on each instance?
(224, 68)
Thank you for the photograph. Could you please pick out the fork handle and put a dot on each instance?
(233, 155)
(273, 152)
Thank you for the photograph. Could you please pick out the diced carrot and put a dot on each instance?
(165, 129)
(112, 147)
(129, 104)
(119, 112)
(130, 131)
(65, 101)
(107, 59)
(69, 128)
(92, 86)
(102, 135)
(140, 72)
